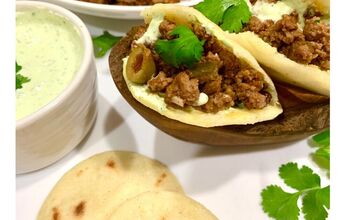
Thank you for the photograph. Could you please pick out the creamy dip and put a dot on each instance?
(50, 50)
(274, 11)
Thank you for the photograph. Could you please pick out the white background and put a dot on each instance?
(227, 180)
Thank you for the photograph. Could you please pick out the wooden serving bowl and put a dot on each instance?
(304, 113)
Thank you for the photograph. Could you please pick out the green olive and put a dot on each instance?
(140, 66)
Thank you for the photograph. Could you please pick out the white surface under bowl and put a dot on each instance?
(110, 11)
(48, 134)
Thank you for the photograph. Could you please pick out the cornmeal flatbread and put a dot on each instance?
(162, 205)
(96, 186)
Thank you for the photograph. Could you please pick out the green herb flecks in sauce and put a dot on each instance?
(50, 50)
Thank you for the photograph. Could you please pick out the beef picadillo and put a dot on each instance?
(291, 40)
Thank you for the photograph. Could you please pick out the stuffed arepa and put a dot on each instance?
(291, 40)
(186, 68)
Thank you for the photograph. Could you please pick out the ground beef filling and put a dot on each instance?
(226, 80)
(308, 46)
(131, 2)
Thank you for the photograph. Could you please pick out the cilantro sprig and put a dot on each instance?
(230, 15)
(185, 50)
(104, 42)
(20, 79)
(282, 205)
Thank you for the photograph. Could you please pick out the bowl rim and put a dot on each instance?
(106, 7)
(78, 77)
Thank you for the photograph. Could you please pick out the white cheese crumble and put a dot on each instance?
(152, 34)
(274, 11)
(202, 100)
(271, 11)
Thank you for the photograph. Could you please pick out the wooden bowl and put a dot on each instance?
(304, 113)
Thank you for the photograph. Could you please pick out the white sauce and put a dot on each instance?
(202, 100)
(50, 50)
(274, 11)
(267, 11)
(152, 34)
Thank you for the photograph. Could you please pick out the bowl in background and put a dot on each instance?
(54, 130)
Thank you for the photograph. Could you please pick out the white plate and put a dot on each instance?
(109, 11)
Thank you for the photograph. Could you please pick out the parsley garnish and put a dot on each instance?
(230, 15)
(20, 79)
(185, 50)
(103, 43)
(281, 205)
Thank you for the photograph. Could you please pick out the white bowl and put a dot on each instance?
(110, 11)
(48, 134)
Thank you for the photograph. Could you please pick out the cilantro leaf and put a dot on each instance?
(230, 15)
(322, 154)
(279, 204)
(282, 205)
(299, 179)
(104, 42)
(214, 10)
(20, 79)
(315, 203)
(185, 50)
(322, 139)
(235, 17)
(322, 157)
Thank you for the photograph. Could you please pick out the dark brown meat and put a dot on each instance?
(302, 51)
(315, 31)
(242, 85)
(310, 46)
(182, 91)
(165, 28)
(217, 102)
(213, 86)
(248, 88)
(284, 31)
(257, 26)
(159, 83)
(219, 74)
(229, 60)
